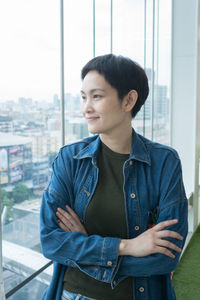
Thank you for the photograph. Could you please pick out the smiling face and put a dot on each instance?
(101, 106)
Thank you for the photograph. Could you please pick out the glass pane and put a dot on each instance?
(102, 29)
(128, 38)
(128, 29)
(29, 127)
(32, 290)
(149, 18)
(78, 35)
(163, 74)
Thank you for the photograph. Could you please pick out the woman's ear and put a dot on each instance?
(130, 100)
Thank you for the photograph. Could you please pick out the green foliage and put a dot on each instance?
(20, 192)
(3, 194)
(7, 201)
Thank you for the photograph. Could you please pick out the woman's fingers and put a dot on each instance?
(63, 226)
(164, 251)
(167, 244)
(72, 213)
(164, 224)
(70, 220)
(169, 233)
(63, 216)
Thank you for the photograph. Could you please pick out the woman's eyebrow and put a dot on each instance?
(93, 90)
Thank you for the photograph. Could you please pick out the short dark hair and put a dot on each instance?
(123, 74)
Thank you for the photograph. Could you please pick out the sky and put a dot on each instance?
(30, 42)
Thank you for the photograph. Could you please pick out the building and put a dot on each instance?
(41, 173)
(15, 158)
(6, 124)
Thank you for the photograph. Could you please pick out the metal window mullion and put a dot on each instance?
(93, 28)
(111, 26)
(145, 52)
(62, 84)
(2, 293)
(153, 69)
(157, 59)
(197, 131)
(172, 74)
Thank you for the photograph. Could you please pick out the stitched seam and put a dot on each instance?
(173, 204)
(54, 193)
(102, 254)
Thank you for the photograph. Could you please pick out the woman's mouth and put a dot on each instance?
(91, 119)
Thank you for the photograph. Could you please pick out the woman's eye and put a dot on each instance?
(97, 96)
(83, 97)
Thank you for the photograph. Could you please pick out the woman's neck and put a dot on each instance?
(119, 142)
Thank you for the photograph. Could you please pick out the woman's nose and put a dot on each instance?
(87, 106)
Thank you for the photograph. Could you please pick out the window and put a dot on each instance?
(30, 111)
(30, 134)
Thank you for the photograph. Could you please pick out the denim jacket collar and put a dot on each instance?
(138, 149)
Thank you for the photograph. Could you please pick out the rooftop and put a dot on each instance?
(7, 139)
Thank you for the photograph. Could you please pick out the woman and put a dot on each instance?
(114, 216)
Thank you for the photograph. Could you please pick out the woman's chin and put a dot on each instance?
(93, 130)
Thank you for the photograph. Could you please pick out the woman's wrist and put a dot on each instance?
(123, 247)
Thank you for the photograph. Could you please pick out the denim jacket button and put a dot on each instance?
(130, 162)
(141, 289)
(132, 195)
(137, 227)
(109, 263)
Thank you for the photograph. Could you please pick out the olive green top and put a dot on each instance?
(105, 216)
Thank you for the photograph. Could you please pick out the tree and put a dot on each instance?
(20, 192)
(3, 194)
(8, 202)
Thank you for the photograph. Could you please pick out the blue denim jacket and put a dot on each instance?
(152, 181)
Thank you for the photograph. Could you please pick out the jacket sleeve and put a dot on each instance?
(173, 204)
(95, 255)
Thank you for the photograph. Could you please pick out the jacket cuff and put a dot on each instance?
(109, 262)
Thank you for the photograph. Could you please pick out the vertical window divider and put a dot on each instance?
(171, 75)
(111, 26)
(153, 69)
(157, 59)
(62, 82)
(145, 49)
(2, 293)
(93, 28)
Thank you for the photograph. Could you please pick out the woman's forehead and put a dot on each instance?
(94, 81)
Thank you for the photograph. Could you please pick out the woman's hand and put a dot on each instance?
(69, 221)
(151, 241)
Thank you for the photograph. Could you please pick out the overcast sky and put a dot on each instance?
(30, 42)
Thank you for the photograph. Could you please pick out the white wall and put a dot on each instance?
(185, 100)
